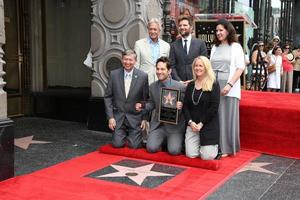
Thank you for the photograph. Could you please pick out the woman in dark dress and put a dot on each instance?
(201, 103)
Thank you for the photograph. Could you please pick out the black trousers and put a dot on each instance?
(296, 80)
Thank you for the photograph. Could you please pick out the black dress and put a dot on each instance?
(203, 109)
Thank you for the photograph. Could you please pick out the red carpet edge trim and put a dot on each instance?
(161, 157)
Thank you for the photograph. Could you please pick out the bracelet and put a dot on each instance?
(229, 84)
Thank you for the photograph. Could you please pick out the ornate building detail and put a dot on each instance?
(154, 10)
(2, 31)
(100, 39)
(116, 25)
(115, 14)
(138, 9)
(3, 95)
(135, 27)
(115, 38)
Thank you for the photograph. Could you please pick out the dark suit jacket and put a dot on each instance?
(116, 103)
(206, 112)
(154, 103)
(181, 63)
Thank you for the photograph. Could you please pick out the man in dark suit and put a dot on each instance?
(159, 131)
(184, 50)
(126, 87)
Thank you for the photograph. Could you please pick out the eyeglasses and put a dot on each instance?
(275, 40)
(261, 45)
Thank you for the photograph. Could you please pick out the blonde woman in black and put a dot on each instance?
(200, 108)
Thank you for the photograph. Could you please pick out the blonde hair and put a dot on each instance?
(209, 78)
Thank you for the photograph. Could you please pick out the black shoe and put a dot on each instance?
(144, 144)
(219, 155)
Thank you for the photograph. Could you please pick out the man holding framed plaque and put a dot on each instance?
(167, 122)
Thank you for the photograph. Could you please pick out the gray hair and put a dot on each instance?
(127, 52)
(154, 21)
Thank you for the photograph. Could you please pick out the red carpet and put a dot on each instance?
(161, 157)
(67, 181)
(270, 123)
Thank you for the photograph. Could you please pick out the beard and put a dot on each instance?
(185, 33)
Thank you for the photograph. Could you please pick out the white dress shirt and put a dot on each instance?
(127, 81)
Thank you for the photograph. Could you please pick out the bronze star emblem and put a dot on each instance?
(169, 99)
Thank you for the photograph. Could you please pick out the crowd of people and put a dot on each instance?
(278, 64)
(209, 90)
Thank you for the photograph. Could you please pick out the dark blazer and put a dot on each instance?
(116, 103)
(206, 112)
(181, 63)
(154, 103)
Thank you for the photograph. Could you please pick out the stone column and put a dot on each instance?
(6, 125)
(36, 46)
(3, 97)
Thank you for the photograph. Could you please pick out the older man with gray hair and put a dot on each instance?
(126, 87)
(149, 49)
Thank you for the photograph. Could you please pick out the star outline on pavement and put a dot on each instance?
(25, 142)
(257, 167)
(137, 174)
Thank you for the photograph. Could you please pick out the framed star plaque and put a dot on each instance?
(168, 112)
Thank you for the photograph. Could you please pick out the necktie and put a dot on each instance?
(185, 46)
(127, 81)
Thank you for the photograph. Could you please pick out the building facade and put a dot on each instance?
(47, 41)
(43, 45)
(287, 21)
